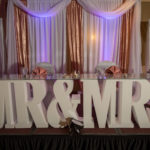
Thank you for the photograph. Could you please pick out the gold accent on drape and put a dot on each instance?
(21, 38)
(125, 40)
(74, 38)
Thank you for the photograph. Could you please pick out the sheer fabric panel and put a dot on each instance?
(74, 38)
(101, 37)
(47, 37)
(21, 31)
(104, 41)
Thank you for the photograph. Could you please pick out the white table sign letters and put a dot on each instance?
(22, 103)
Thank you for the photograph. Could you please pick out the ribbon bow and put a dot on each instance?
(39, 72)
(73, 125)
(113, 70)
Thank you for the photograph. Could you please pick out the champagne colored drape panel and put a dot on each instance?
(74, 38)
(110, 40)
(21, 38)
(125, 40)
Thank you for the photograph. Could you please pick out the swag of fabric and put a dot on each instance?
(92, 7)
(86, 4)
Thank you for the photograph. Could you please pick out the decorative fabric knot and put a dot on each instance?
(39, 72)
(114, 71)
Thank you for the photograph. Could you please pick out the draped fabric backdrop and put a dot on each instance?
(74, 38)
(21, 38)
(101, 36)
(112, 39)
(32, 40)
(47, 36)
(126, 30)
(99, 32)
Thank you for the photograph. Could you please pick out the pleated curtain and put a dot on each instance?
(12, 62)
(74, 26)
(125, 41)
(31, 40)
(76, 39)
(21, 34)
(112, 39)
(101, 37)
(47, 36)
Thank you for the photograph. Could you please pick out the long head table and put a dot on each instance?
(98, 102)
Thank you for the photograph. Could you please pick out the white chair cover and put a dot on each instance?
(102, 66)
(47, 66)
